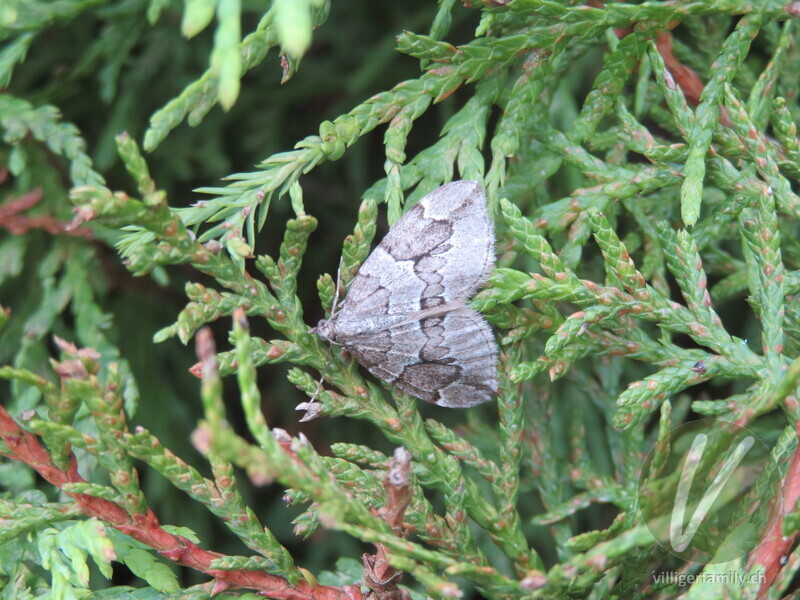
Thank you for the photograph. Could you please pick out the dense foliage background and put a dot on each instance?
(640, 162)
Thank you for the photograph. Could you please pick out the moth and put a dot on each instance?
(405, 317)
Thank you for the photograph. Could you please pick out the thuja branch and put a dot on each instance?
(144, 527)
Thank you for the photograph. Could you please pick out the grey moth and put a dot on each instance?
(405, 317)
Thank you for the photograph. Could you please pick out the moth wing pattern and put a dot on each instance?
(405, 316)
(450, 360)
(441, 250)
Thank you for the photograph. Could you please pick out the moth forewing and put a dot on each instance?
(405, 317)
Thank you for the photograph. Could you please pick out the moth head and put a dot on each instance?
(325, 330)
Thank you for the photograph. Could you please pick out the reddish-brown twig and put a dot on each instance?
(379, 576)
(774, 546)
(17, 224)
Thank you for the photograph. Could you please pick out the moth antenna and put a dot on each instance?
(312, 407)
(336, 293)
